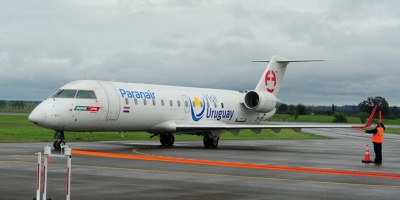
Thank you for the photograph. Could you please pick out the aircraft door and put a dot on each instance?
(185, 103)
(114, 103)
(242, 115)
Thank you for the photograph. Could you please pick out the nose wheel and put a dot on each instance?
(59, 135)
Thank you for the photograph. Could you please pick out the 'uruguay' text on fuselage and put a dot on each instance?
(219, 114)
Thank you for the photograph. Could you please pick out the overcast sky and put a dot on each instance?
(203, 43)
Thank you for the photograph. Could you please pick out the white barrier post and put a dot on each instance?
(47, 153)
(38, 175)
(67, 152)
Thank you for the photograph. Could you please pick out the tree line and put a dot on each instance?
(361, 110)
(13, 104)
(17, 106)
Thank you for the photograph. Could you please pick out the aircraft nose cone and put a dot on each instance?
(38, 116)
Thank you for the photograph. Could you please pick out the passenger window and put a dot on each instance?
(208, 104)
(171, 103)
(136, 102)
(179, 103)
(222, 105)
(126, 101)
(194, 105)
(84, 94)
(162, 102)
(65, 94)
(201, 104)
(154, 102)
(215, 104)
(186, 104)
(144, 102)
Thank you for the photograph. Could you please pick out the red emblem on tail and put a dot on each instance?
(270, 80)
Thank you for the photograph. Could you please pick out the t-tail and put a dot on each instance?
(272, 77)
(264, 98)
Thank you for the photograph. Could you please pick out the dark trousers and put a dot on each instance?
(378, 152)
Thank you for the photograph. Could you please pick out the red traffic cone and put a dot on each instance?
(366, 157)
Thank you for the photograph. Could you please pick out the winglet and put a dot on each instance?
(369, 122)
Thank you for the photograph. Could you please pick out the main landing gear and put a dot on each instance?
(167, 139)
(59, 135)
(210, 141)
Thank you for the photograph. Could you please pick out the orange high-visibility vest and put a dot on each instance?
(378, 137)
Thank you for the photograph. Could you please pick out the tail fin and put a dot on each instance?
(272, 78)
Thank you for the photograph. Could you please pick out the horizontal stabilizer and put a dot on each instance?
(288, 61)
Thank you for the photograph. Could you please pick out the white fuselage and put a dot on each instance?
(119, 106)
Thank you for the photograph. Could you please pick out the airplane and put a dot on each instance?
(105, 106)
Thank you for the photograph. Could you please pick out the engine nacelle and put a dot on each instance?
(260, 101)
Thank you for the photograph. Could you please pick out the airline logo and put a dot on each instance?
(132, 94)
(196, 103)
(270, 80)
(210, 113)
(91, 109)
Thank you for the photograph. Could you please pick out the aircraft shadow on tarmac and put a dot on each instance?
(184, 146)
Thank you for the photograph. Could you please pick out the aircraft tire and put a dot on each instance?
(167, 139)
(206, 143)
(57, 144)
(61, 143)
(170, 139)
(163, 141)
(209, 142)
(214, 143)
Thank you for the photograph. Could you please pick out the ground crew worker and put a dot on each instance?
(377, 139)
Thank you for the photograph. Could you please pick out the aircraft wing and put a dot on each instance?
(275, 128)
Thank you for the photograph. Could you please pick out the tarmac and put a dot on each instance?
(238, 169)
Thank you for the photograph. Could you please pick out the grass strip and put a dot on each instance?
(17, 128)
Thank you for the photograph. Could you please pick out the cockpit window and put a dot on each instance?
(84, 94)
(65, 94)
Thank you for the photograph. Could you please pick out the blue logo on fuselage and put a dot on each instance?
(198, 116)
(210, 113)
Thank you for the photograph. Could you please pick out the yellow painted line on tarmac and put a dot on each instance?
(21, 156)
(136, 150)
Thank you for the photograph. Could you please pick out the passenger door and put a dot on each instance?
(114, 103)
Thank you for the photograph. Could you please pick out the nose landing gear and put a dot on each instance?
(59, 135)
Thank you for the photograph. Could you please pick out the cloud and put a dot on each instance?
(46, 44)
